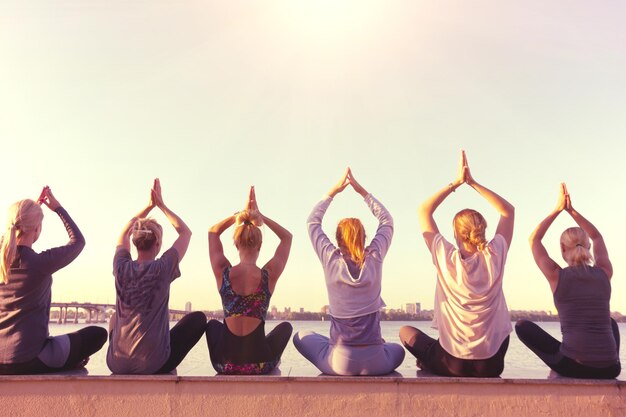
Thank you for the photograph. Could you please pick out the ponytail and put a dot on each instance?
(351, 238)
(470, 226)
(8, 247)
(247, 233)
(577, 243)
(24, 216)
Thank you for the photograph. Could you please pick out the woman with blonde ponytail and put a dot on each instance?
(239, 344)
(141, 340)
(25, 295)
(353, 274)
(582, 294)
(470, 310)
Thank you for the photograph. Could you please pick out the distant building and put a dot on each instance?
(410, 308)
(301, 309)
(188, 306)
(418, 308)
(274, 312)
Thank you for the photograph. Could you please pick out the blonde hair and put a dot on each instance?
(24, 217)
(146, 233)
(470, 226)
(247, 233)
(576, 240)
(351, 237)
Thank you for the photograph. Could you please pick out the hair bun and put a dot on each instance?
(249, 218)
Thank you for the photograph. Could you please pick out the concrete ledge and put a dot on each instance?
(240, 396)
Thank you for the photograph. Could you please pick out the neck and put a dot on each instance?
(248, 257)
(26, 240)
(145, 256)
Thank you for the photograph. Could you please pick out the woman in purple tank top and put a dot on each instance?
(582, 292)
(239, 345)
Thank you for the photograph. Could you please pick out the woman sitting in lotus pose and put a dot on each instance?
(470, 310)
(582, 293)
(25, 294)
(239, 345)
(141, 341)
(353, 274)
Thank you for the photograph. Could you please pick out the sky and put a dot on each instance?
(97, 98)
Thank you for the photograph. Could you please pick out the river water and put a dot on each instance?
(519, 363)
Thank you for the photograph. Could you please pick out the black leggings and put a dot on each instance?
(83, 343)
(549, 351)
(183, 337)
(433, 358)
(255, 347)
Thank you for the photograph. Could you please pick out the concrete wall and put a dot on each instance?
(277, 396)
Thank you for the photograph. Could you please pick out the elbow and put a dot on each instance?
(287, 237)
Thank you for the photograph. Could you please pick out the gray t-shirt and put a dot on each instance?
(139, 334)
(25, 299)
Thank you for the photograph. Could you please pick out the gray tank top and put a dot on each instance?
(582, 299)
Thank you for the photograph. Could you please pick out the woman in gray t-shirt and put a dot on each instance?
(141, 341)
(582, 293)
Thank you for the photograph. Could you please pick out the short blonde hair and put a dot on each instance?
(470, 227)
(577, 243)
(24, 216)
(247, 233)
(351, 236)
(146, 233)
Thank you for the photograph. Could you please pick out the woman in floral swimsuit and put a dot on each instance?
(239, 345)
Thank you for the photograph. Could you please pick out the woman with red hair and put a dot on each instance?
(353, 279)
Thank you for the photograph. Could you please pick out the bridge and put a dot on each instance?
(99, 313)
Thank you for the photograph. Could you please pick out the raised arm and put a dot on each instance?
(276, 265)
(322, 245)
(547, 265)
(600, 252)
(59, 257)
(184, 233)
(384, 232)
(216, 250)
(503, 207)
(427, 209)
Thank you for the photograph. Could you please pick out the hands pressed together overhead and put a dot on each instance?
(47, 198)
(347, 179)
(464, 175)
(564, 202)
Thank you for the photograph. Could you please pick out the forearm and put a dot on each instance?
(428, 207)
(279, 231)
(143, 212)
(585, 224)
(503, 207)
(220, 227)
(318, 212)
(540, 231)
(179, 225)
(378, 210)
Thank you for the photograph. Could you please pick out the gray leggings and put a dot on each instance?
(330, 359)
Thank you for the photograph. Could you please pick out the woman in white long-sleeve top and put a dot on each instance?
(353, 275)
